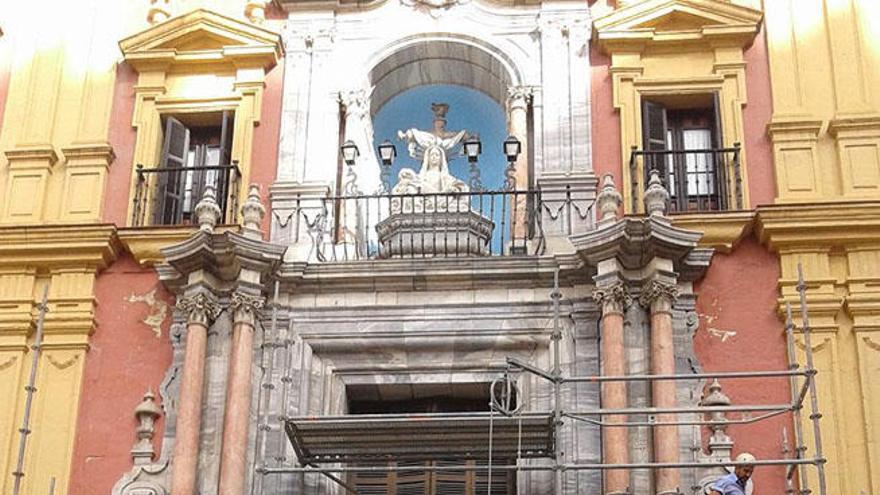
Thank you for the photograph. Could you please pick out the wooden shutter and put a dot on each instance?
(224, 178)
(171, 184)
(654, 127)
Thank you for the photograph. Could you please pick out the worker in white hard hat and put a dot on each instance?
(735, 482)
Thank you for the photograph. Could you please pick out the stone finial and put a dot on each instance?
(160, 11)
(720, 445)
(656, 196)
(252, 213)
(608, 201)
(255, 11)
(207, 210)
(146, 413)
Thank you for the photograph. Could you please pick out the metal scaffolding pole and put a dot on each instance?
(556, 337)
(798, 428)
(811, 378)
(24, 431)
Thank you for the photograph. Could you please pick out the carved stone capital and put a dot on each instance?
(199, 308)
(613, 298)
(659, 296)
(518, 97)
(245, 306)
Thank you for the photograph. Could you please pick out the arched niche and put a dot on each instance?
(438, 59)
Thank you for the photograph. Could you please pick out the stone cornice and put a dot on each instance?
(635, 240)
(677, 22)
(145, 243)
(721, 230)
(94, 246)
(231, 42)
(818, 225)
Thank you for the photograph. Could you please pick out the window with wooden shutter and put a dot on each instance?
(682, 140)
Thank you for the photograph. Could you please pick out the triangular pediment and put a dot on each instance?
(658, 20)
(200, 31)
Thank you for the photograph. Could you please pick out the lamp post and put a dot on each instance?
(350, 153)
(472, 148)
(387, 152)
(512, 148)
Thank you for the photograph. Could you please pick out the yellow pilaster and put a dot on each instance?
(838, 245)
(66, 260)
(825, 68)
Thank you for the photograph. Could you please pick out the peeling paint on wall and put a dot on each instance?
(709, 319)
(158, 310)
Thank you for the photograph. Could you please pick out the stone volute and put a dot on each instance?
(609, 200)
(656, 196)
(146, 413)
(207, 210)
(252, 213)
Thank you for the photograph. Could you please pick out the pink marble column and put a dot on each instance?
(660, 297)
(233, 453)
(518, 98)
(200, 310)
(615, 440)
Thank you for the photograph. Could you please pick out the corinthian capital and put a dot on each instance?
(659, 296)
(519, 96)
(613, 298)
(199, 308)
(245, 307)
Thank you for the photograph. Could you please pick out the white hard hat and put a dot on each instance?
(745, 457)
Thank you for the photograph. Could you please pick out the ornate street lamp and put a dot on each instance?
(387, 153)
(472, 148)
(512, 148)
(350, 152)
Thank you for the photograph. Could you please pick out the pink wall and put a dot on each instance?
(740, 331)
(605, 125)
(122, 137)
(5, 62)
(264, 157)
(125, 359)
(756, 115)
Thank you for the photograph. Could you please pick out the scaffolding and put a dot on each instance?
(501, 411)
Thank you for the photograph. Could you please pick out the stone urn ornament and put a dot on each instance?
(656, 196)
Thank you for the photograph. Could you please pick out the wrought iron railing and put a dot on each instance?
(697, 180)
(168, 196)
(460, 224)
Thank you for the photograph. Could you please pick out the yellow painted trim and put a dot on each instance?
(656, 50)
(198, 62)
(58, 246)
(819, 225)
(721, 230)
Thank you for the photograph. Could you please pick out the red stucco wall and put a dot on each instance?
(605, 128)
(122, 137)
(264, 156)
(125, 359)
(756, 115)
(740, 331)
(5, 64)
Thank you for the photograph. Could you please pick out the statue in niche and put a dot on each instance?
(433, 148)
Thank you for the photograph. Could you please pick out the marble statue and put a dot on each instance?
(433, 148)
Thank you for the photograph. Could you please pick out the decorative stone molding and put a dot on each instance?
(252, 213)
(207, 210)
(255, 11)
(656, 196)
(199, 308)
(608, 201)
(519, 97)
(614, 298)
(160, 11)
(146, 413)
(245, 307)
(659, 296)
